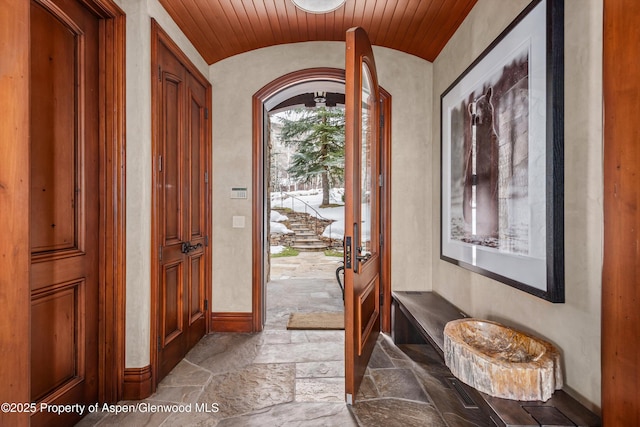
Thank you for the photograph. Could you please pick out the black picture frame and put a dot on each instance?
(502, 157)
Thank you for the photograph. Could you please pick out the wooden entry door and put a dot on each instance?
(362, 209)
(182, 208)
(64, 213)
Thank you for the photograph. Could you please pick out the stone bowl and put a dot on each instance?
(501, 361)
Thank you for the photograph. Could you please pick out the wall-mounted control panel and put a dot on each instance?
(239, 192)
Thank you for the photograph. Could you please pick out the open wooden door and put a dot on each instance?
(362, 209)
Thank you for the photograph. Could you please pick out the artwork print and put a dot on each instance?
(489, 182)
(502, 157)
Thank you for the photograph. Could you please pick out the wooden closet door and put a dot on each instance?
(182, 184)
(196, 141)
(64, 214)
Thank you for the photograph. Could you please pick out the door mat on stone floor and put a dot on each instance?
(316, 321)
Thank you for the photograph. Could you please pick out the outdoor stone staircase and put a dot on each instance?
(305, 239)
(307, 232)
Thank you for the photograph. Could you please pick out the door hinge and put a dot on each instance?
(381, 299)
(206, 113)
(206, 240)
(206, 305)
(159, 163)
(381, 239)
(206, 177)
(159, 73)
(160, 253)
(380, 180)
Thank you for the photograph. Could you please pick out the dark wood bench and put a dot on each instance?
(420, 317)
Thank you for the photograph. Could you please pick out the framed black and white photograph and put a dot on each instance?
(502, 131)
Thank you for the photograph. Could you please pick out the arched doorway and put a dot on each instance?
(267, 98)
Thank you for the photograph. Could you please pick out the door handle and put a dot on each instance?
(362, 258)
(188, 247)
(359, 249)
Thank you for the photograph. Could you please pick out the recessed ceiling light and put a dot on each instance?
(318, 6)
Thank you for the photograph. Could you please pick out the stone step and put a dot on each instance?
(309, 243)
(306, 237)
(298, 227)
(310, 247)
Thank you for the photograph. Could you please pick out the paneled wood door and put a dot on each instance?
(64, 214)
(362, 209)
(182, 208)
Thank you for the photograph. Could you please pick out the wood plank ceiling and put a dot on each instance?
(223, 28)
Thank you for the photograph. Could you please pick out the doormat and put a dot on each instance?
(316, 321)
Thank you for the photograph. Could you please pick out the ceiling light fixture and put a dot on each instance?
(318, 6)
(320, 98)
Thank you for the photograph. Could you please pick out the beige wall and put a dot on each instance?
(236, 79)
(138, 188)
(234, 82)
(415, 86)
(575, 325)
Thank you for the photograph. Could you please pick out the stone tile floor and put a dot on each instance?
(296, 378)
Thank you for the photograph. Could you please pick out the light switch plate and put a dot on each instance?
(238, 222)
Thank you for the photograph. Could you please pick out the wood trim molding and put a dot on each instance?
(113, 196)
(138, 383)
(155, 226)
(258, 233)
(385, 200)
(621, 269)
(231, 322)
(297, 77)
(165, 39)
(15, 255)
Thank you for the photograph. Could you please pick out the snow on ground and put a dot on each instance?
(276, 249)
(296, 200)
(277, 217)
(276, 227)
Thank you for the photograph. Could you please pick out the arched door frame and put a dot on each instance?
(259, 238)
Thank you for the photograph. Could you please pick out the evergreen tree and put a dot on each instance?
(317, 134)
